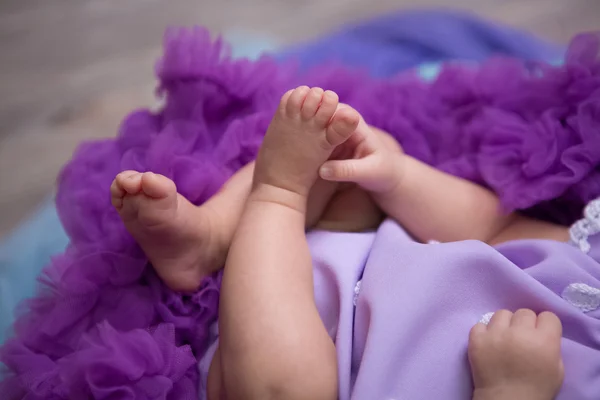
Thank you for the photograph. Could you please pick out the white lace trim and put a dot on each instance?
(356, 293)
(588, 226)
(486, 318)
(582, 296)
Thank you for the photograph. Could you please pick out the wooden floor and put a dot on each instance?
(71, 69)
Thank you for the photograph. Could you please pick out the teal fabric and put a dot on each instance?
(429, 71)
(22, 257)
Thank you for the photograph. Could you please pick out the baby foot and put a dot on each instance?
(308, 125)
(178, 238)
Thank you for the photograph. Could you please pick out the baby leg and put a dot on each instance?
(175, 235)
(272, 341)
(522, 227)
(184, 242)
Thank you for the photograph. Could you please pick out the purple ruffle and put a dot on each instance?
(104, 326)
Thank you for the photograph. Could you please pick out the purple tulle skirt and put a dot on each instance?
(104, 326)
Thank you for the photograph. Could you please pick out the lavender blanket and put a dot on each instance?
(406, 337)
(104, 325)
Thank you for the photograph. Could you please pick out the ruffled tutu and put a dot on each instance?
(103, 325)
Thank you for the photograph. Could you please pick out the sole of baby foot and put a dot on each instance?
(306, 128)
(180, 240)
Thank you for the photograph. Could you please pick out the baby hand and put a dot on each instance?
(517, 356)
(370, 158)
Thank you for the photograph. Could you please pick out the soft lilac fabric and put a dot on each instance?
(418, 302)
(527, 131)
(407, 336)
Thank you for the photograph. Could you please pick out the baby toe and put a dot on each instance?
(116, 194)
(157, 186)
(312, 102)
(329, 104)
(342, 125)
(296, 100)
(284, 101)
(130, 181)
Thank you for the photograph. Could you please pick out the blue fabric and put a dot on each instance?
(22, 256)
(404, 40)
(384, 46)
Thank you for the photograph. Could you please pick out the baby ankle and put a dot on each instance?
(267, 193)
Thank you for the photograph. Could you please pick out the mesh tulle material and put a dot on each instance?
(104, 326)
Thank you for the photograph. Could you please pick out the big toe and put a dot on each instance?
(157, 186)
(343, 124)
(155, 206)
(128, 182)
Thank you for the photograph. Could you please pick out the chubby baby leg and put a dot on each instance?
(267, 316)
(351, 209)
(521, 227)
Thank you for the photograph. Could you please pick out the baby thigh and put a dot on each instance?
(520, 227)
(351, 209)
